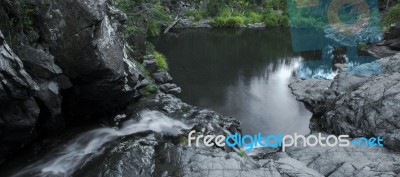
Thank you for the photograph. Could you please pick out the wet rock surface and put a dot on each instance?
(72, 62)
(154, 154)
(19, 111)
(84, 54)
(86, 38)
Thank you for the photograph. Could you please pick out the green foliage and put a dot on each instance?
(153, 28)
(26, 16)
(276, 5)
(197, 15)
(274, 19)
(242, 153)
(161, 61)
(149, 89)
(145, 17)
(213, 7)
(235, 13)
(393, 16)
(253, 17)
(304, 18)
(230, 21)
(362, 45)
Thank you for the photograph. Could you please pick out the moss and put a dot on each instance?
(182, 140)
(242, 153)
(362, 45)
(149, 89)
(161, 61)
(393, 16)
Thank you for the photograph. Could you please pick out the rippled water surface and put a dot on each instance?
(240, 73)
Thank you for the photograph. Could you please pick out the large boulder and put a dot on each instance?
(18, 109)
(347, 161)
(357, 105)
(50, 80)
(389, 46)
(87, 41)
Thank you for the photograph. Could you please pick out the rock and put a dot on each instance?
(50, 80)
(347, 161)
(161, 155)
(256, 25)
(19, 111)
(170, 88)
(129, 158)
(357, 105)
(1, 39)
(371, 109)
(389, 46)
(161, 77)
(211, 121)
(311, 92)
(187, 23)
(152, 154)
(86, 39)
(38, 62)
(394, 31)
(150, 63)
(293, 167)
(379, 50)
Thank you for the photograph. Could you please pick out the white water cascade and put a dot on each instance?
(89, 144)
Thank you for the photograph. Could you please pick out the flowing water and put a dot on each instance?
(242, 73)
(88, 145)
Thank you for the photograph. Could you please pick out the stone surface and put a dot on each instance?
(358, 105)
(348, 161)
(86, 39)
(150, 63)
(162, 77)
(18, 109)
(389, 46)
(51, 80)
(170, 88)
(71, 63)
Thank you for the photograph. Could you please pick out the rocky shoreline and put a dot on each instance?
(74, 65)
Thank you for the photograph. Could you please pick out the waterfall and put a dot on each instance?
(88, 145)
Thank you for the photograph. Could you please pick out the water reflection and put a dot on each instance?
(241, 73)
(266, 105)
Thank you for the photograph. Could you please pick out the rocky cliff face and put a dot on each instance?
(19, 110)
(357, 105)
(389, 46)
(70, 63)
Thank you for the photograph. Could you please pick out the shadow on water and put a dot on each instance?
(242, 73)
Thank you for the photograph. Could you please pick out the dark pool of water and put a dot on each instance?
(242, 73)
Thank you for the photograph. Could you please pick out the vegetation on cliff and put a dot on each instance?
(238, 13)
(392, 16)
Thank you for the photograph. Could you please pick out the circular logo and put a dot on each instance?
(360, 6)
